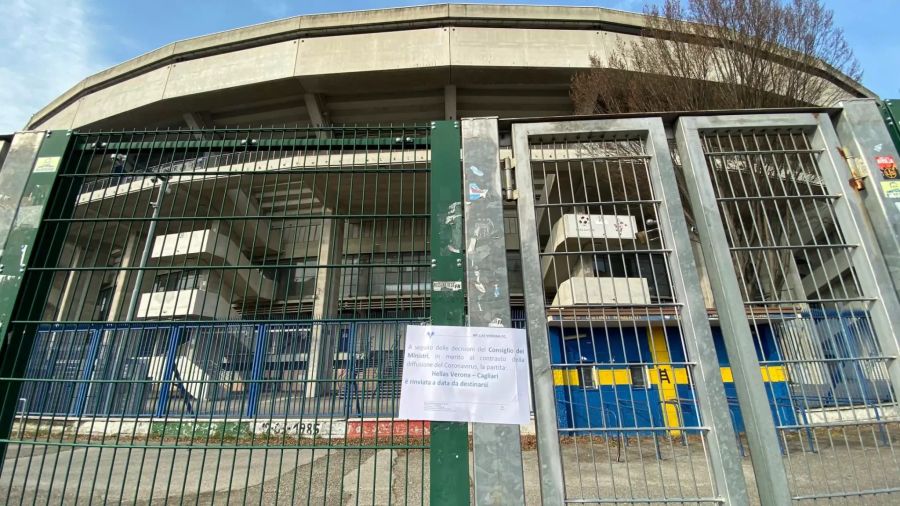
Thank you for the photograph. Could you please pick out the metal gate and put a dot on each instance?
(641, 415)
(804, 293)
(754, 319)
(218, 316)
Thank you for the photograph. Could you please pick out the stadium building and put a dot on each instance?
(219, 245)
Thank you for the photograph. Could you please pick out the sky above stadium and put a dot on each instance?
(47, 46)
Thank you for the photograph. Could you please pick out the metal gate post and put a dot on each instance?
(499, 478)
(862, 132)
(449, 466)
(30, 169)
(14, 175)
(41, 171)
(890, 111)
(765, 449)
(866, 258)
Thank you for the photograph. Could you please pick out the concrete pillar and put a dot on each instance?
(450, 102)
(323, 338)
(65, 301)
(121, 288)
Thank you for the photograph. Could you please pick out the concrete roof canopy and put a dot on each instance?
(442, 61)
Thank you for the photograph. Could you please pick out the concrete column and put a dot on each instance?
(66, 299)
(450, 102)
(320, 363)
(121, 288)
(315, 107)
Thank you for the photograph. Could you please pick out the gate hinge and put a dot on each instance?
(858, 170)
(509, 179)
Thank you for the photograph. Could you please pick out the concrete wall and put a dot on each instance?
(259, 72)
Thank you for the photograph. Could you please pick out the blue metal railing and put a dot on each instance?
(161, 369)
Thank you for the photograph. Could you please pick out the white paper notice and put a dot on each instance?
(465, 374)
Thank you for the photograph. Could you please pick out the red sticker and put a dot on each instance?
(884, 161)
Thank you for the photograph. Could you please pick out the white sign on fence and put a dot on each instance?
(465, 374)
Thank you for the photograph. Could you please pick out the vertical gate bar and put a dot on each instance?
(712, 403)
(546, 423)
(499, 478)
(165, 386)
(449, 460)
(256, 370)
(16, 253)
(88, 371)
(768, 466)
(861, 129)
(865, 257)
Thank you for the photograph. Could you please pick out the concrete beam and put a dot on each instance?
(197, 120)
(121, 287)
(237, 202)
(825, 274)
(315, 107)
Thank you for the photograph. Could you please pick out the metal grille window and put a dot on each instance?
(178, 280)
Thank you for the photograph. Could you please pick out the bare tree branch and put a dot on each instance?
(721, 54)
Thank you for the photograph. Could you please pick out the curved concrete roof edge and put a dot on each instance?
(360, 22)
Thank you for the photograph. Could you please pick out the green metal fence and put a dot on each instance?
(218, 317)
(890, 110)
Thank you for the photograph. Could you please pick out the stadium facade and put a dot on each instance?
(220, 243)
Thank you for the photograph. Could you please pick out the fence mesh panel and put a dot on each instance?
(218, 317)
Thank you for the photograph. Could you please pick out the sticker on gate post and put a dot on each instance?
(465, 374)
(887, 166)
(891, 189)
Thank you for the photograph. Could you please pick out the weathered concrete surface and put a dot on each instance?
(371, 482)
(369, 52)
(339, 476)
(141, 90)
(545, 42)
(228, 70)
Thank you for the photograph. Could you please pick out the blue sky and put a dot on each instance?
(46, 46)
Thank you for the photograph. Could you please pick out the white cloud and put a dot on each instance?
(627, 5)
(46, 47)
(274, 9)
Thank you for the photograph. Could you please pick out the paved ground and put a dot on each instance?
(594, 468)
